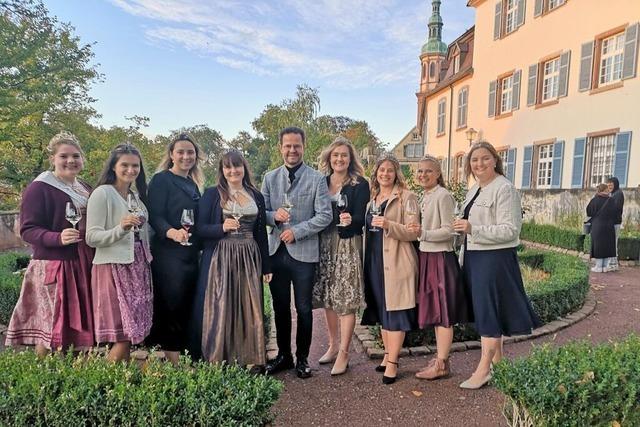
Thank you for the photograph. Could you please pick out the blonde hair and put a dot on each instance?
(63, 138)
(436, 162)
(196, 171)
(354, 170)
(486, 145)
(399, 181)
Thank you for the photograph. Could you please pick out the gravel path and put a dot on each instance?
(358, 398)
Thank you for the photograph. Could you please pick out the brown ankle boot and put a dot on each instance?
(437, 368)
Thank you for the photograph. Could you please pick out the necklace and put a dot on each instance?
(74, 186)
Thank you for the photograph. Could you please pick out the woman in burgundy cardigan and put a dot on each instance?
(54, 308)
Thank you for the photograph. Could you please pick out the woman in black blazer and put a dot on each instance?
(175, 265)
(228, 310)
(338, 286)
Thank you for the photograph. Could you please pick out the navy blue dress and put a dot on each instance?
(500, 304)
(376, 311)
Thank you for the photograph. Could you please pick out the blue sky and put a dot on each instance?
(220, 62)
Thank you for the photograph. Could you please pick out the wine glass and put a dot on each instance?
(374, 208)
(133, 206)
(187, 221)
(236, 213)
(412, 210)
(287, 205)
(72, 214)
(458, 213)
(342, 203)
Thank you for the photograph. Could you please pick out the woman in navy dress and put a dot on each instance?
(175, 265)
(491, 225)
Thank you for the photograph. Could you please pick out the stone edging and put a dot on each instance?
(582, 255)
(367, 340)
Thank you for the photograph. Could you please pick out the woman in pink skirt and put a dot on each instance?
(441, 297)
(121, 275)
(54, 308)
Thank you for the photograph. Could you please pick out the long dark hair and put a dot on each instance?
(228, 159)
(108, 176)
(615, 182)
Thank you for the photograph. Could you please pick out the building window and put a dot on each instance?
(611, 56)
(511, 10)
(509, 15)
(503, 155)
(544, 166)
(552, 4)
(545, 6)
(602, 159)
(412, 151)
(456, 64)
(458, 168)
(550, 79)
(415, 136)
(463, 101)
(442, 106)
(432, 70)
(506, 94)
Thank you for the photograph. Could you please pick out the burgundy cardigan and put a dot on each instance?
(42, 219)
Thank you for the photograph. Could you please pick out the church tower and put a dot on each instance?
(434, 51)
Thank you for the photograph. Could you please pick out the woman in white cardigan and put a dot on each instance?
(441, 295)
(121, 274)
(491, 224)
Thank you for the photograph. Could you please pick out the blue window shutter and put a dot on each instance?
(563, 81)
(510, 169)
(586, 66)
(526, 166)
(621, 162)
(515, 99)
(492, 97)
(578, 162)
(630, 62)
(556, 167)
(520, 12)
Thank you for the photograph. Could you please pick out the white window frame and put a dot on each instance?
(456, 63)
(506, 94)
(611, 59)
(544, 167)
(504, 154)
(603, 152)
(550, 79)
(442, 115)
(463, 103)
(552, 4)
(511, 18)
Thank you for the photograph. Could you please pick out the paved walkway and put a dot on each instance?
(358, 398)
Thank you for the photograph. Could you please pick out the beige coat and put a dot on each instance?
(437, 216)
(399, 255)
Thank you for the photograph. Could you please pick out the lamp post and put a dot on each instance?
(471, 135)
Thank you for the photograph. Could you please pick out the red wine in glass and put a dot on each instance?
(187, 220)
(342, 204)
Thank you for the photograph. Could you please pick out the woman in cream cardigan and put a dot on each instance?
(442, 299)
(491, 224)
(121, 274)
(391, 262)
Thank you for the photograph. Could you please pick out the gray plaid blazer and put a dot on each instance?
(311, 212)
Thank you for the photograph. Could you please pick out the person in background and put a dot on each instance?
(618, 201)
(603, 214)
(491, 225)
(442, 298)
(121, 276)
(391, 262)
(54, 308)
(228, 312)
(173, 200)
(338, 283)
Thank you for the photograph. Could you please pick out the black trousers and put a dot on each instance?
(286, 270)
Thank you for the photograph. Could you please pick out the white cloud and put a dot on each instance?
(345, 43)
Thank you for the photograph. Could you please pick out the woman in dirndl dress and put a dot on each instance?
(121, 277)
(441, 299)
(338, 286)
(54, 308)
(228, 319)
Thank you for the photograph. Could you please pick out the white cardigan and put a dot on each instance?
(114, 245)
(495, 217)
(437, 218)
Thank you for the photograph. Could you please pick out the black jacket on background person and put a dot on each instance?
(357, 198)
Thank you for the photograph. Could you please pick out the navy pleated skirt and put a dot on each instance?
(500, 304)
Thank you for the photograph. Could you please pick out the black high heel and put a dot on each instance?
(390, 380)
(381, 367)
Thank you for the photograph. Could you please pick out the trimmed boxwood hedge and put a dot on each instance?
(563, 292)
(10, 282)
(575, 385)
(90, 391)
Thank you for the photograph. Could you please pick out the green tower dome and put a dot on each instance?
(434, 44)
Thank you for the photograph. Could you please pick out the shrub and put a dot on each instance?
(63, 390)
(10, 282)
(549, 234)
(574, 385)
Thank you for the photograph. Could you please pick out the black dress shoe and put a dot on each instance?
(280, 363)
(303, 370)
(390, 380)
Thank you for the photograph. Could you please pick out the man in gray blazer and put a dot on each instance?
(293, 245)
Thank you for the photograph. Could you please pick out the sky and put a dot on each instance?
(221, 62)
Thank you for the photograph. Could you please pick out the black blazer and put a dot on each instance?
(209, 224)
(168, 196)
(357, 198)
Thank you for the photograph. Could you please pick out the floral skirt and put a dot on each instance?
(338, 283)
